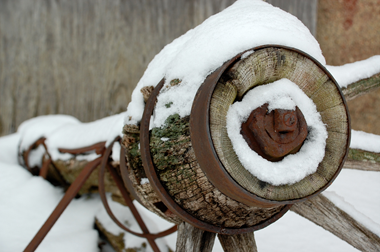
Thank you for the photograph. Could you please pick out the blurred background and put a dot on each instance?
(84, 58)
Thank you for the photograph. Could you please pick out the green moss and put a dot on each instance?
(175, 82)
(360, 155)
(134, 155)
(168, 105)
(168, 146)
(174, 126)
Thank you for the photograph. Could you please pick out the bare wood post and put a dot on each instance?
(192, 239)
(238, 243)
(324, 213)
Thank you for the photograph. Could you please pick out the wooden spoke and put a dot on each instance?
(361, 87)
(238, 243)
(324, 213)
(362, 160)
(192, 239)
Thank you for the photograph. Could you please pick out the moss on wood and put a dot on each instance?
(361, 155)
(147, 196)
(181, 175)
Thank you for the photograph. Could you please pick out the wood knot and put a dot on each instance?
(275, 134)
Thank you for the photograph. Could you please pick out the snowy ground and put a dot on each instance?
(27, 201)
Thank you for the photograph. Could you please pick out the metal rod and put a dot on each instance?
(65, 201)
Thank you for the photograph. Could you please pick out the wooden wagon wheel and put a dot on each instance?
(212, 170)
(170, 178)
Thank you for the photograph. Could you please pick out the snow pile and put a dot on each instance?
(32, 200)
(8, 148)
(27, 201)
(74, 136)
(33, 129)
(293, 168)
(365, 141)
(67, 132)
(191, 57)
(353, 72)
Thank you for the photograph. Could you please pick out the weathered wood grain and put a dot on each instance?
(84, 58)
(359, 165)
(324, 213)
(135, 170)
(182, 177)
(238, 243)
(192, 239)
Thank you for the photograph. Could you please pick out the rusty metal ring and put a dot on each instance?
(134, 211)
(205, 151)
(155, 182)
(125, 176)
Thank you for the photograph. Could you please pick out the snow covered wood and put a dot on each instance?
(70, 169)
(326, 214)
(183, 178)
(177, 154)
(265, 66)
(362, 87)
(364, 153)
(175, 157)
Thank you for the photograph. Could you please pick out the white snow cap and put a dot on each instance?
(294, 167)
(73, 136)
(193, 56)
(352, 72)
(365, 141)
(33, 129)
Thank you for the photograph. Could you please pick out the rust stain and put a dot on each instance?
(350, 10)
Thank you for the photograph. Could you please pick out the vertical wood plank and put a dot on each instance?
(84, 58)
(192, 239)
(238, 243)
